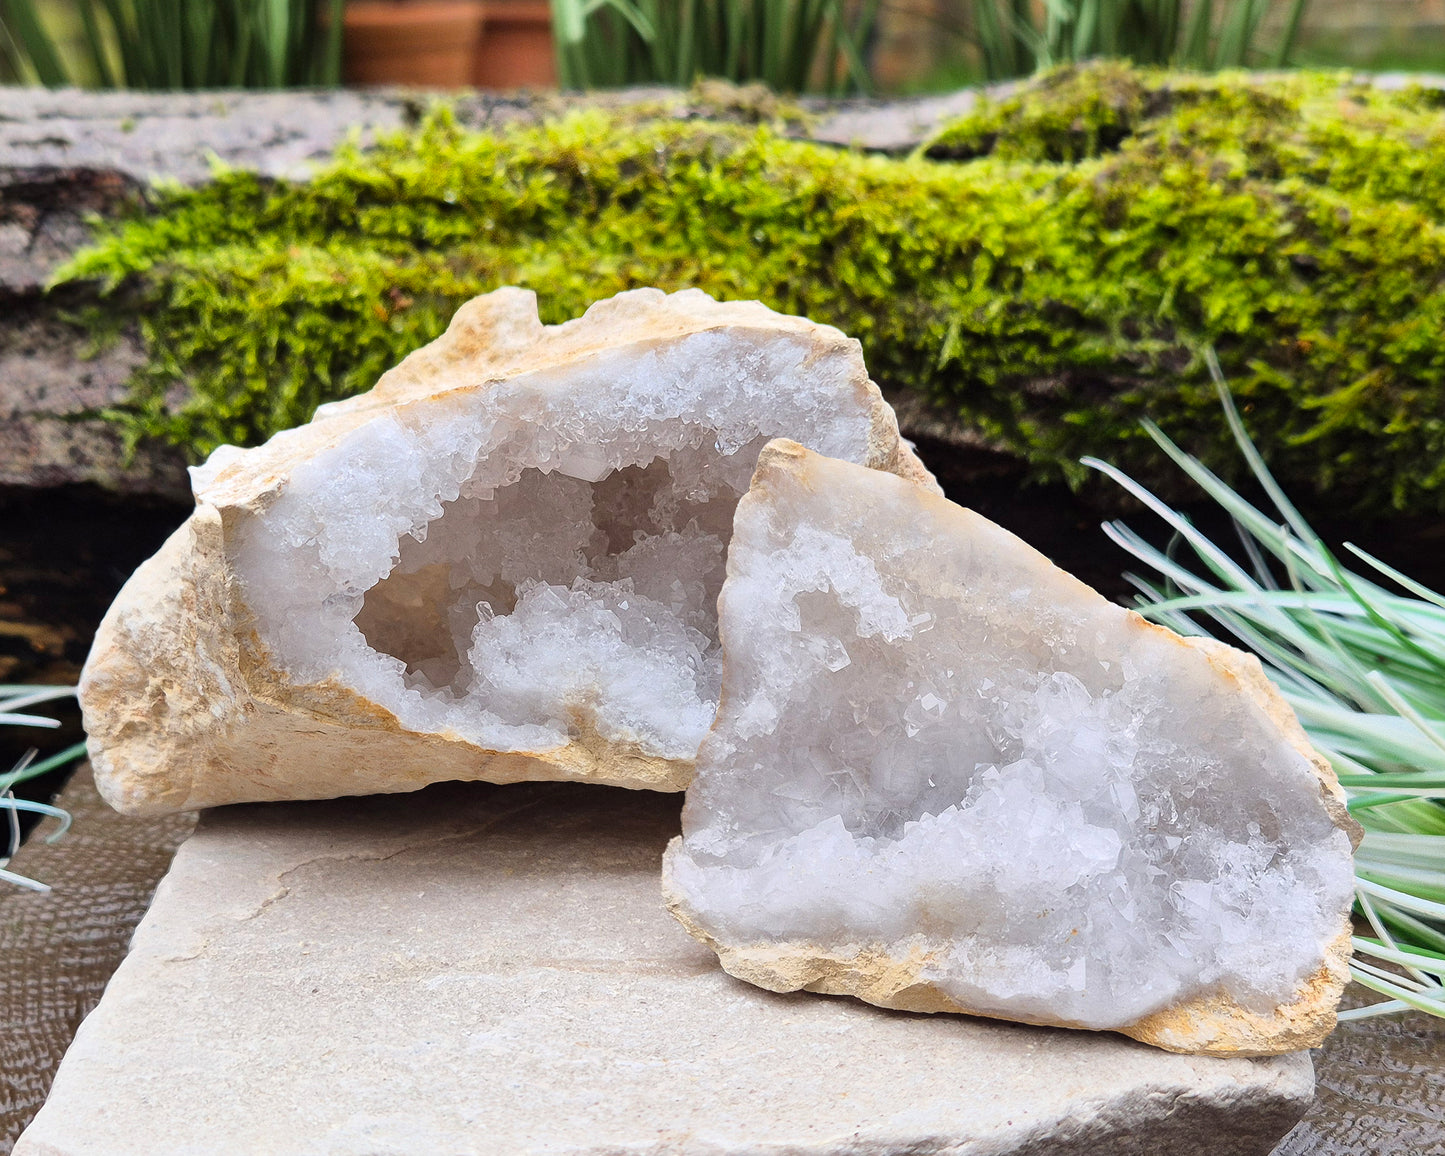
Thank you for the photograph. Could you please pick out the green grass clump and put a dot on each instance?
(1016, 37)
(172, 44)
(1050, 270)
(1363, 665)
(15, 706)
(789, 45)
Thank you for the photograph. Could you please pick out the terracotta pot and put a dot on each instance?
(429, 44)
(517, 51)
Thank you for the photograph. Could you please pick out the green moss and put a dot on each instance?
(1063, 116)
(1052, 290)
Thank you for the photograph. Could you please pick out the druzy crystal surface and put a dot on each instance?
(545, 553)
(498, 583)
(940, 753)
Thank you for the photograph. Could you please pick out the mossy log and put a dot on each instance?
(1049, 268)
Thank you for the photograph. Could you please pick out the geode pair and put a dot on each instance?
(943, 775)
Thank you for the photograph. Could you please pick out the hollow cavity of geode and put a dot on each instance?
(947, 776)
(501, 563)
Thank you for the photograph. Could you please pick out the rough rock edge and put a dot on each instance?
(185, 708)
(1212, 1024)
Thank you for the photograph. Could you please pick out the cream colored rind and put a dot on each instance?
(1211, 1024)
(185, 708)
(1207, 1026)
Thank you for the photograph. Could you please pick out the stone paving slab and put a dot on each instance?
(488, 969)
(1380, 1086)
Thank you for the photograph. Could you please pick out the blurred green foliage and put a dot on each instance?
(171, 44)
(790, 45)
(1018, 37)
(1050, 268)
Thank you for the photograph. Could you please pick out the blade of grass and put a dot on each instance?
(1361, 666)
(22, 20)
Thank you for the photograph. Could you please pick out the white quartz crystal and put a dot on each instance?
(948, 776)
(512, 547)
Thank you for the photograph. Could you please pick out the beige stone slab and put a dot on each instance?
(479, 969)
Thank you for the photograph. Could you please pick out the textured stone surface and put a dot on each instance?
(180, 136)
(52, 382)
(947, 776)
(501, 563)
(488, 970)
(893, 126)
(141, 137)
(61, 948)
(66, 155)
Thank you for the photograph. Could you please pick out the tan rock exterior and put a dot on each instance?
(1209, 1026)
(185, 708)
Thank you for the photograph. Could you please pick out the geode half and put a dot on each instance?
(947, 776)
(502, 563)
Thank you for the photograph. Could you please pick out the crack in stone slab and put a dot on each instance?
(424, 843)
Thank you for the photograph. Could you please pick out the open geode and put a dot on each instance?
(948, 776)
(502, 563)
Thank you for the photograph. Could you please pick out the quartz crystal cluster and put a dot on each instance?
(946, 775)
(501, 563)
